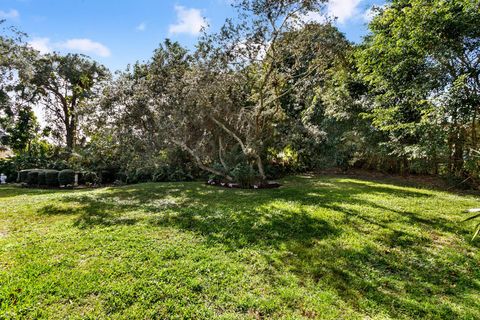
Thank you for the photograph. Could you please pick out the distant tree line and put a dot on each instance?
(272, 92)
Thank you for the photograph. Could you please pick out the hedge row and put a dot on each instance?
(44, 177)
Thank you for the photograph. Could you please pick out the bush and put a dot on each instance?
(160, 174)
(42, 178)
(244, 174)
(142, 174)
(32, 177)
(120, 176)
(23, 176)
(7, 167)
(179, 175)
(88, 177)
(217, 166)
(66, 177)
(51, 178)
(107, 176)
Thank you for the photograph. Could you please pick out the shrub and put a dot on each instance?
(88, 177)
(161, 174)
(179, 175)
(32, 177)
(23, 176)
(107, 176)
(51, 178)
(66, 177)
(244, 174)
(7, 167)
(142, 174)
(120, 176)
(217, 166)
(42, 178)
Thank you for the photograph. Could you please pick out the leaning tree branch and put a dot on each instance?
(199, 162)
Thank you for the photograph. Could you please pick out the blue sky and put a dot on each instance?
(118, 32)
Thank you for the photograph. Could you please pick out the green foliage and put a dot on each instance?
(107, 176)
(7, 167)
(245, 175)
(32, 177)
(51, 178)
(179, 175)
(42, 178)
(295, 96)
(122, 177)
(144, 174)
(23, 129)
(66, 177)
(219, 168)
(23, 175)
(40, 154)
(421, 62)
(89, 178)
(77, 75)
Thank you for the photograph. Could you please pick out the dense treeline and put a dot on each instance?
(271, 92)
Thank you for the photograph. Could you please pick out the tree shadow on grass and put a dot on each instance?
(10, 191)
(397, 271)
(236, 230)
(89, 213)
(400, 283)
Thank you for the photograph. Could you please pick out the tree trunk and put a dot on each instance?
(70, 129)
(220, 154)
(261, 170)
(458, 147)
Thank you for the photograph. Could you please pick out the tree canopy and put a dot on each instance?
(271, 92)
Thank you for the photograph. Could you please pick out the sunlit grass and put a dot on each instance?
(324, 247)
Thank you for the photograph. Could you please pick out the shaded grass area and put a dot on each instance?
(319, 247)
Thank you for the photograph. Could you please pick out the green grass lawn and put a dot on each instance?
(327, 247)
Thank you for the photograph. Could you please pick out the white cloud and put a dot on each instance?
(343, 9)
(313, 17)
(141, 27)
(86, 46)
(12, 14)
(371, 12)
(41, 44)
(189, 21)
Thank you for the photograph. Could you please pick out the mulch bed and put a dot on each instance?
(234, 185)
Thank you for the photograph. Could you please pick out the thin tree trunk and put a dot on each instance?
(261, 170)
(220, 154)
(474, 129)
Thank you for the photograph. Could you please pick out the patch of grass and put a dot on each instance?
(326, 247)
